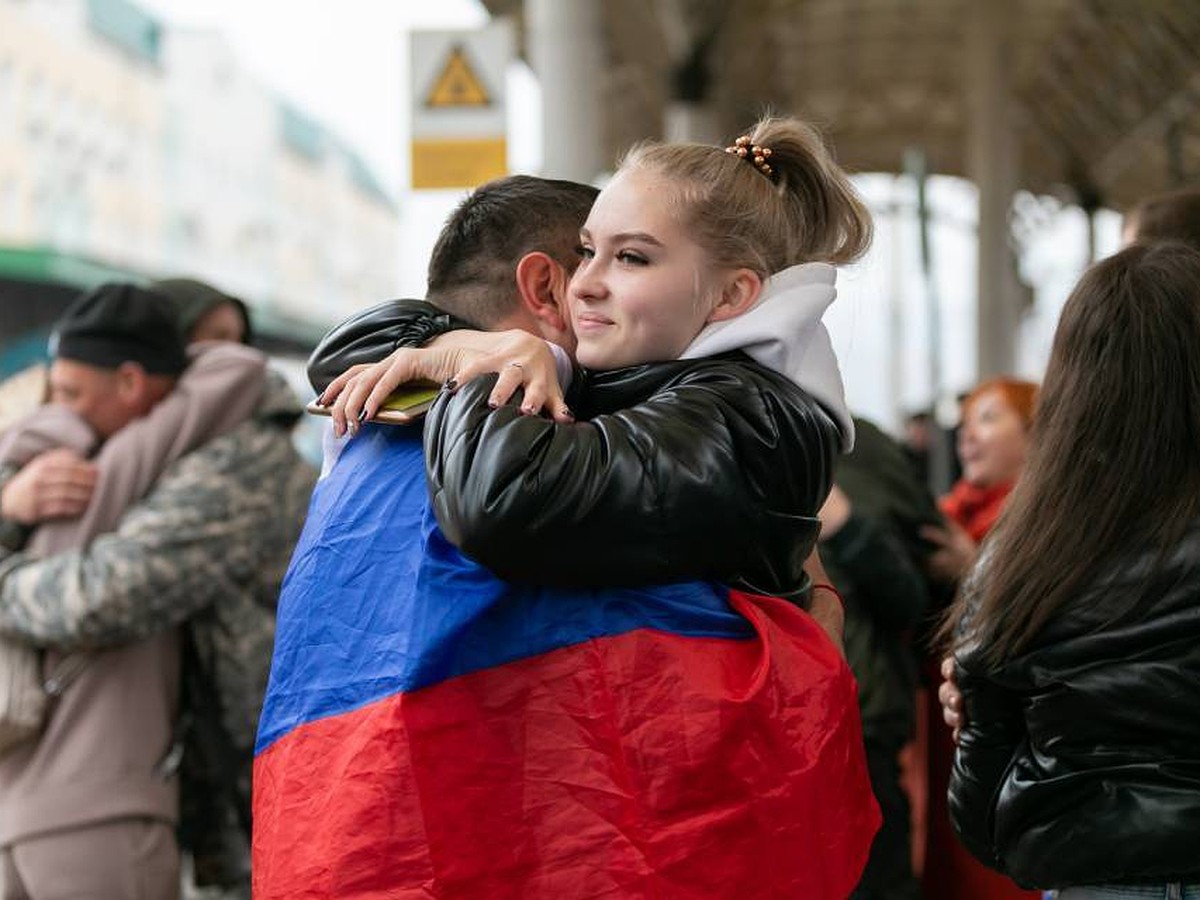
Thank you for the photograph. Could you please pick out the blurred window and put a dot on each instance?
(7, 77)
(8, 204)
(35, 112)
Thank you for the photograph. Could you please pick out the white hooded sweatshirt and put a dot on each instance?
(784, 332)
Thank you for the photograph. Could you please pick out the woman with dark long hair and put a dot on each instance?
(1077, 639)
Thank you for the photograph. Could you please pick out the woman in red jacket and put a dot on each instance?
(992, 444)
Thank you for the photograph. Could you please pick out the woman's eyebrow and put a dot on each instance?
(642, 236)
(621, 237)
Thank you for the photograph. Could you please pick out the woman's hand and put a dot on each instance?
(523, 361)
(356, 394)
(454, 358)
(950, 697)
(955, 554)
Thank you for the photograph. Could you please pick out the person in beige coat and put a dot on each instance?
(90, 807)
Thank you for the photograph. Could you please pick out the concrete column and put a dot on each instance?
(695, 122)
(992, 165)
(565, 47)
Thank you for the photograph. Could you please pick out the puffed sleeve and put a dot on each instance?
(370, 335)
(994, 729)
(715, 475)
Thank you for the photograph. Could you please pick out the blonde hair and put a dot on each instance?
(806, 210)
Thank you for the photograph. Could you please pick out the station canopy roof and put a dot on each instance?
(1106, 93)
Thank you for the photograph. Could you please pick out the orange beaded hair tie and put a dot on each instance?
(753, 153)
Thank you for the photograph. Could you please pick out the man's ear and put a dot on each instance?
(132, 384)
(542, 286)
(741, 290)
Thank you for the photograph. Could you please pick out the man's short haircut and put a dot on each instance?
(472, 272)
(1174, 216)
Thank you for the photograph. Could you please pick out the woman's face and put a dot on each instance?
(642, 291)
(221, 323)
(992, 441)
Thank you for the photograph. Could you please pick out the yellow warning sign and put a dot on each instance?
(448, 163)
(458, 85)
(457, 79)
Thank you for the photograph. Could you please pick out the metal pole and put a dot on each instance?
(939, 451)
(1091, 235)
(690, 115)
(991, 156)
(1174, 146)
(896, 318)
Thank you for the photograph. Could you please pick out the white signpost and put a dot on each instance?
(458, 115)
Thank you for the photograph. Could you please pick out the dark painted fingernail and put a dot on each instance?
(362, 415)
(451, 384)
(566, 411)
(493, 404)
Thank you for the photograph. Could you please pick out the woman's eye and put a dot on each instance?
(584, 252)
(632, 258)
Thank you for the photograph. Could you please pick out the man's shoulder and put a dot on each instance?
(252, 466)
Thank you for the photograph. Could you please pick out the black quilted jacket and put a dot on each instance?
(711, 468)
(1080, 763)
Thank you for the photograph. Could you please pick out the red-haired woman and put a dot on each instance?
(992, 444)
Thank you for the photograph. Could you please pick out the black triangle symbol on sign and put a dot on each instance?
(458, 85)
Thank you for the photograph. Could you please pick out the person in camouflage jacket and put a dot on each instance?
(206, 548)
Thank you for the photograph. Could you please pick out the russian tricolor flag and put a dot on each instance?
(432, 732)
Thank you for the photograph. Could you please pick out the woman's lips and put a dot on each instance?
(591, 322)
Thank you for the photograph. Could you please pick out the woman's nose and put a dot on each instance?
(586, 284)
(968, 436)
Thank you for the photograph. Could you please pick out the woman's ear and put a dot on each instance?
(740, 292)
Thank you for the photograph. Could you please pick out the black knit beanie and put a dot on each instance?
(118, 323)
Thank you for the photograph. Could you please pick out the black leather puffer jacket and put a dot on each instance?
(371, 334)
(718, 462)
(710, 468)
(1080, 762)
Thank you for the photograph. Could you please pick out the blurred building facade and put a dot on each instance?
(127, 146)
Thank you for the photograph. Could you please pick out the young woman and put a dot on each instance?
(706, 421)
(1076, 639)
(720, 257)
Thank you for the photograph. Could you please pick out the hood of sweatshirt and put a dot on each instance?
(784, 331)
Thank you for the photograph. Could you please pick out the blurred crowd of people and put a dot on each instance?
(1022, 644)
